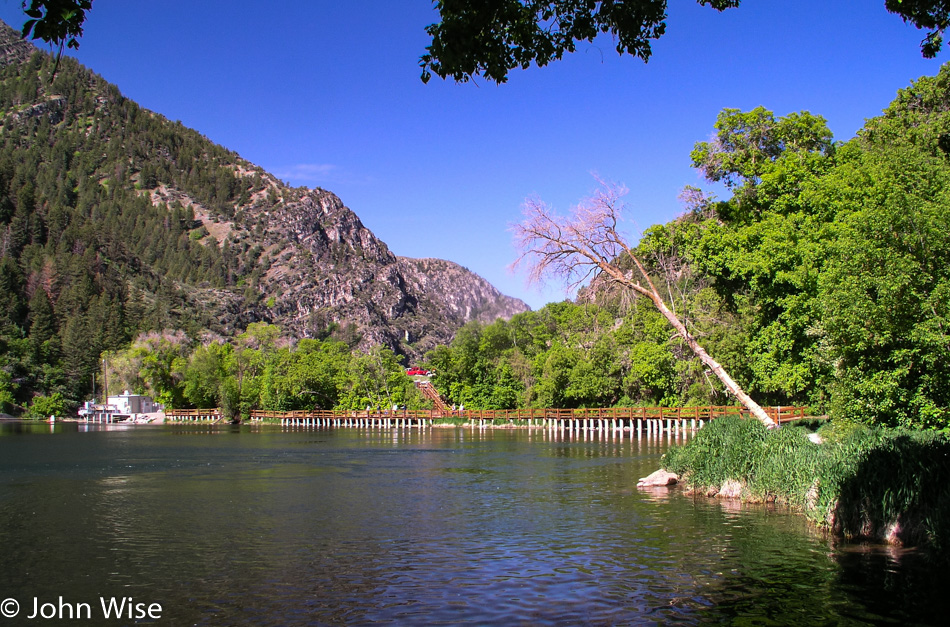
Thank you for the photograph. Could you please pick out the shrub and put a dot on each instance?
(861, 482)
(52, 405)
(726, 448)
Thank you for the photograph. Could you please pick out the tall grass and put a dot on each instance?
(861, 482)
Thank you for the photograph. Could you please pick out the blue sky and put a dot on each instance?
(327, 93)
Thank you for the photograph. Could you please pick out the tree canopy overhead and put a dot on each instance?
(57, 22)
(491, 37)
(930, 14)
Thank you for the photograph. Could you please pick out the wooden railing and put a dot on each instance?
(191, 415)
(432, 394)
(705, 413)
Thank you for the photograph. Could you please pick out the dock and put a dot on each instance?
(632, 420)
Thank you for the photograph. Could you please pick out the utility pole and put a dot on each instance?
(105, 382)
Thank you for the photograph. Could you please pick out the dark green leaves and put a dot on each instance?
(57, 22)
(490, 37)
(932, 14)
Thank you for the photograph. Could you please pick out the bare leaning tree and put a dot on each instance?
(588, 244)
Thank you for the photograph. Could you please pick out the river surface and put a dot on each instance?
(262, 526)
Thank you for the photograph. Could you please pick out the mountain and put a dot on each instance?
(323, 267)
(115, 220)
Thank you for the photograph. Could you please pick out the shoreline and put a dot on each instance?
(859, 483)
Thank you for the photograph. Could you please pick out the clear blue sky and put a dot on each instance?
(327, 93)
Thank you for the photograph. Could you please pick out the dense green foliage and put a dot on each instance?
(861, 481)
(259, 370)
(490, 38)
(823, 281)
(837, 261)
(571, 355)
(44, 406)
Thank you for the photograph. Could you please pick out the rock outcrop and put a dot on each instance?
(12, 48)
(326, 268)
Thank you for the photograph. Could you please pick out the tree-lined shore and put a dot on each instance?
(823, 281)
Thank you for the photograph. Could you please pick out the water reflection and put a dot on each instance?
(239, 526)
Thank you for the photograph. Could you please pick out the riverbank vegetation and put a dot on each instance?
(859, 482)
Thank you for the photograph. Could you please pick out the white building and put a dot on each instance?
(128, 404)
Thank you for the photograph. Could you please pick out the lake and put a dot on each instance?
(221, 525)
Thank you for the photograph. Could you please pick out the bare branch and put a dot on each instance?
(587, 244)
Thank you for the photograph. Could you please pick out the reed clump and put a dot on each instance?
(859, 482)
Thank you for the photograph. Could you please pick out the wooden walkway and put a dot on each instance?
(639, 420)
(433, 395)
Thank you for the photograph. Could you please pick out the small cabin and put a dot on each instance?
(130, 404)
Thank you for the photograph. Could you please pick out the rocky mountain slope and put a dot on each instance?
(99, 194)
(325, 267)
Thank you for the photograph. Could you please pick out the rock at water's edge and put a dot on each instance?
(731, 489)
(660, 478)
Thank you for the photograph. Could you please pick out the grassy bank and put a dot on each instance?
(859, 482)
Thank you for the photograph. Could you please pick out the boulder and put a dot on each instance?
(660, 478)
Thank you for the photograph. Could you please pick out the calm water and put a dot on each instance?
(234, 526)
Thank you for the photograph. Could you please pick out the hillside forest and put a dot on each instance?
(822, 280)
(87, 260)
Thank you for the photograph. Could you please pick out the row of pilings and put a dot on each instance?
(649, 427)
(635, 420)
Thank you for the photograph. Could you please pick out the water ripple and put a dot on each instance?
(450, 527)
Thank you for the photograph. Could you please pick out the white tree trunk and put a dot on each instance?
(754, 408)
(651, 292)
